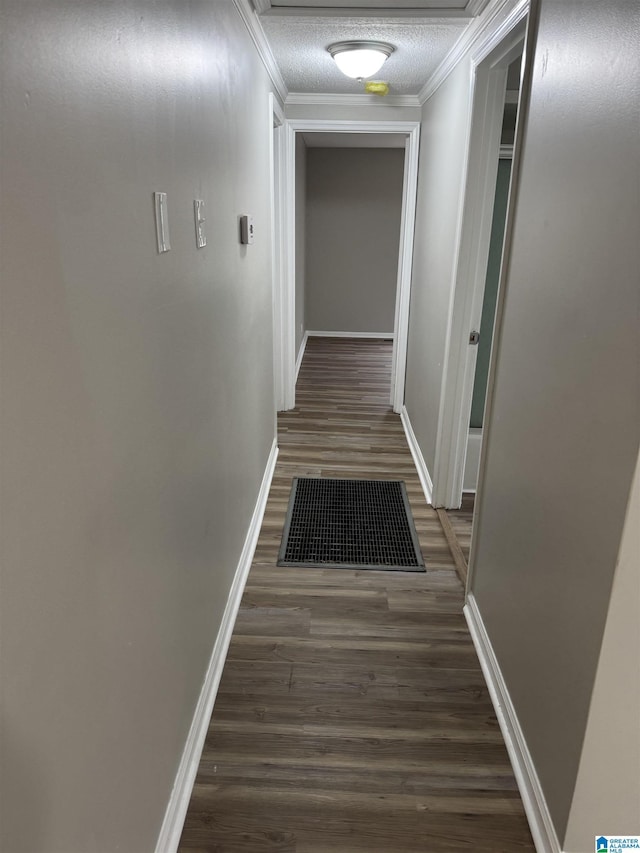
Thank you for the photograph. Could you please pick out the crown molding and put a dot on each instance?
(471, 10)
(304, 125)
(399, 16)
(473, 7)
(329, 99)
(253, 25)
(497, 19)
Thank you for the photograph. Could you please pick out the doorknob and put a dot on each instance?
(474, 337)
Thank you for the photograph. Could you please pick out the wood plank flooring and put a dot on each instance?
(352, 715)
(461, 521)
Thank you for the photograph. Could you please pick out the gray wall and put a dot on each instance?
(443, 138)
(354, 202)
(563, 425)
(301, 215)
(615, 708)
(137, 401)
(563, 430)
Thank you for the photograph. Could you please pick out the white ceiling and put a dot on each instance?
(422, 32)
(299, 45)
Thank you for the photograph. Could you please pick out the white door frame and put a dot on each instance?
(490, 61)
(286, 283)
(277, 189)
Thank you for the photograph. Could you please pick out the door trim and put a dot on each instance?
(521, 122)
(277, 186)
(286, 283)
(405, 269)
(489, 74)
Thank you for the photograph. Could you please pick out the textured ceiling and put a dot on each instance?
(299, 46)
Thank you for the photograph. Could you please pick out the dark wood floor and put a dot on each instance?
(462, 522)
(352, 715)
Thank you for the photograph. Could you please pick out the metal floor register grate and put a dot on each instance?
(346, 524)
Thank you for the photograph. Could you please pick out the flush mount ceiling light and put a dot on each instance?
(360, 59)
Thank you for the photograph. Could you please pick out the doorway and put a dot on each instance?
(348, 214)
(286, 354)
(491, 65)
(483, 334)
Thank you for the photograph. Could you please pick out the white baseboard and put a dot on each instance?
(175, 814)
(540, 823)
(303, 346)
(418, 458)
(387, 336)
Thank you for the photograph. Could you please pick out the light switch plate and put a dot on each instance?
(162, 222)
(198, 212)
(246, 229)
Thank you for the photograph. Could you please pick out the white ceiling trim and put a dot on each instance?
(499, 18)
(252, 23)
(472, 8)
(308, 125)
(492, 38)
(439, 15)
(329, 99)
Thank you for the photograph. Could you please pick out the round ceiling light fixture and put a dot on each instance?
(360, 59)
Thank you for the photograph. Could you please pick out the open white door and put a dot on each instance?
(490, 65)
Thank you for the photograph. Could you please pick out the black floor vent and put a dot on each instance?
(347, 524)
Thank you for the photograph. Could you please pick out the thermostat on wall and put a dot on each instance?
(246, 229)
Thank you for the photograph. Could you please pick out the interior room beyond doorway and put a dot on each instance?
(349, 189)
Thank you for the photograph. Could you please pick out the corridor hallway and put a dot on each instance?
(352, 715)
